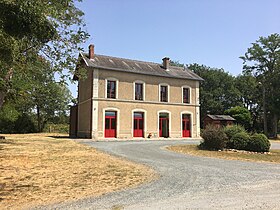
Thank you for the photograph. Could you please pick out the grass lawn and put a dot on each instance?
(273, 156)
(36, 169)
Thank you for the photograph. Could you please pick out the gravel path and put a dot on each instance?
(188, 182)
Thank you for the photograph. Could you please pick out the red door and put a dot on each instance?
(186, 125)
(110, 124)
(138, 124)
(164, 125)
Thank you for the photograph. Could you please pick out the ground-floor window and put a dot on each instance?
(138, 124)
(110, 124)
(186, 125)
(164, 125)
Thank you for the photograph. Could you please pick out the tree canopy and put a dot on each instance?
(30, 29)
(36, 99)
(262, 60)
(242, 116)
(217, 92)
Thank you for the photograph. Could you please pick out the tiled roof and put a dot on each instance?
(221, 117)
(139, 67)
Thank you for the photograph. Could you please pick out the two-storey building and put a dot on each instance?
(130, 99)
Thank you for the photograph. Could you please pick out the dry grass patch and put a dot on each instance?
(273, 156)
(38, 170)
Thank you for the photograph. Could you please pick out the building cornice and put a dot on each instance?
(145, 102)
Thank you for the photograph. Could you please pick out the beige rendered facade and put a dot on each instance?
(124, 116)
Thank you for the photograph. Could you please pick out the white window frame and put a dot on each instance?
(144, 92)
(168, 92)
(118, 120)
(190, 94)
(145, 122)
(169, 115)
(191, 123)
(117, 87)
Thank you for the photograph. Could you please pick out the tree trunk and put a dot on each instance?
(3, 93)
(264, 113)
(2, 98)
(39, 119)
(275, 126)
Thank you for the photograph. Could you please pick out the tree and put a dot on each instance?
(251, 97)
(247, 85)
(217, 91)
(12, 120)
(262, 59)
(241, 115)
(29, 28)
(50, 100)
(176, 63)
(43, 94)
(37, 97)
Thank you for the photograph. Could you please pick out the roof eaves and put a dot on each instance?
(142, 73)
(221, 117)
(84, 58)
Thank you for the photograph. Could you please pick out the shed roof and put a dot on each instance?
(221, 117)
(138, 67)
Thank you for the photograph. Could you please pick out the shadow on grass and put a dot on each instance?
(5, 142)
(60, 137)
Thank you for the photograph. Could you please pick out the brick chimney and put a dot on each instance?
(165, 63)
(91, 51)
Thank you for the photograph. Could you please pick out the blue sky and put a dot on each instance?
(210, 32)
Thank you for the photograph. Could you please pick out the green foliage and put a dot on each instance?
(217, 92)
(251, 97)
(12, 120)
(51, 30)
(38, 92)
(240, 141)
(230, 131)
(262, 60)
(241, 115)
(259, 143)
(263, 56)
(250, 94)
(22, 19)
(37, 98)
(176, 63)
(213, 138)
(9, 113)
(24, 124)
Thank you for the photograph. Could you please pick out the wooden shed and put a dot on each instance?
(218, 120)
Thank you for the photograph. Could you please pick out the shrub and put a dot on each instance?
(259, 143)
(56, 128)
(239, 141)
(231, 131)
(213, 138)
(25, 124)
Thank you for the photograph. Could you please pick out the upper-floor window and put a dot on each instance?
(164, 93)
(111, 89)
(138, 91)
(186, 95)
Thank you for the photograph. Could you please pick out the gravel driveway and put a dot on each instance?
(188, 182)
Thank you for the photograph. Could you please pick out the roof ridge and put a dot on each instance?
(146, 62)
(108, 56)
(179, 67)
